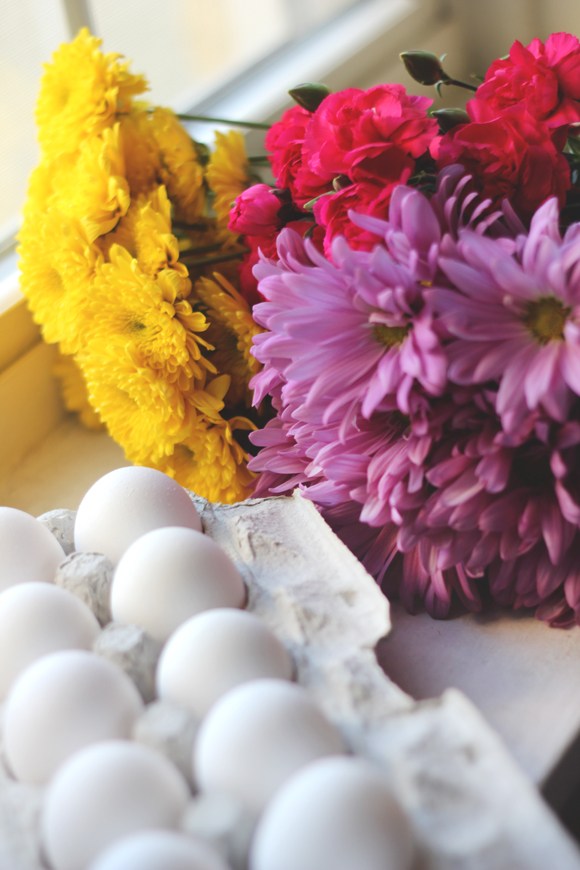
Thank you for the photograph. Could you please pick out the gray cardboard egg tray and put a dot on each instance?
(469, 804)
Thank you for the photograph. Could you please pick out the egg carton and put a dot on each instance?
(468, 804)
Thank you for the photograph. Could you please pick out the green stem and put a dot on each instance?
(201, 249)
(223, 258)
(253, 125)
(182, 225)
(458, 84)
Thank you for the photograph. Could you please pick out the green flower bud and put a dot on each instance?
(340, 182)
(450, 118)
(423, 66)
(309, 95)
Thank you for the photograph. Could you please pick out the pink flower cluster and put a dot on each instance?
(350, 152)
(519, 120)
(356, 146)
(421, 346)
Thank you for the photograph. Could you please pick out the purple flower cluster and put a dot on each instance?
(427, 397)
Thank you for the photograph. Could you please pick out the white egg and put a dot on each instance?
(170, 574)
(105, 792)
(215, 651)
(28, 551)
(256, 736)
(159, 850)
(60, 703)
(36, 619)
(127, 503)
(337, 812)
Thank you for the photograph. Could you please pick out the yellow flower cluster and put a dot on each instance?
(125, 220)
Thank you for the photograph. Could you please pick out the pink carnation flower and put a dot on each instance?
(544, 78)
(256, 212)
(284, 141)
(352, 126)
(511, 156)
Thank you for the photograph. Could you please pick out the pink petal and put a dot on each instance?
(541, 371)
(570, 366)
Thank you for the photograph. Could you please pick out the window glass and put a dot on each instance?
(186, 48)
(30, 30)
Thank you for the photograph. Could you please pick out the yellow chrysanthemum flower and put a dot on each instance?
(228, 173)
(40, 190)
(181, 171)
(140, 150)
(151, 315)
(90, 186)
(116, 226)
(231, 331)
(155, 246)
(74, 391)
(145, 412)
(57, 266)
(211, 463)
(210, 401)
(123, 235)
(145, 232)
(81, 92)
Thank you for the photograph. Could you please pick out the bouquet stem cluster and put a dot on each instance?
(404, 299)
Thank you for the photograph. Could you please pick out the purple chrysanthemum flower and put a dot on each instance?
(415, 228)
(515, 318)
(478, 512)
(352, 335)
(441, 485)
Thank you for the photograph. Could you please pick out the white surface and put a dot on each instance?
(521, 674)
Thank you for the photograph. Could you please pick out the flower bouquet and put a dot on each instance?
(394, 317)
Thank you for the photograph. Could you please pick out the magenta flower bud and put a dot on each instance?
(256, 212)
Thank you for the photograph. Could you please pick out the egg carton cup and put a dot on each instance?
(468, 804)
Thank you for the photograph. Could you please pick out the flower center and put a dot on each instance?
(390, 336)
(546, 318)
